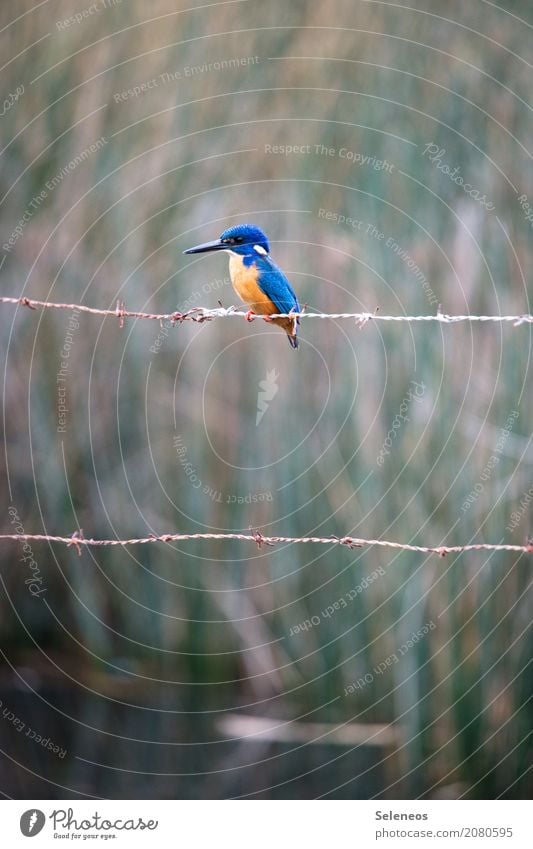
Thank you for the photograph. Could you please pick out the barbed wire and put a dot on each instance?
(201, 314)
(78, 540)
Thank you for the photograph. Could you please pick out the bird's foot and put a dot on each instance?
(250, 315)
(267, 318)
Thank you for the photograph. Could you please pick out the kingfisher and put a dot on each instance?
(256, 279)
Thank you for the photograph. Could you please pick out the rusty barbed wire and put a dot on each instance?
(78, 541)
(201, 314)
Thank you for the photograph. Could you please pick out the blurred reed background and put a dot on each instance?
(132, 133)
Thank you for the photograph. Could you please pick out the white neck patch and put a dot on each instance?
(260, 250)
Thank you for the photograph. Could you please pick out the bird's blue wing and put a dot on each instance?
(275, 285)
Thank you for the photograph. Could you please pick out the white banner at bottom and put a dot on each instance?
(266, 824)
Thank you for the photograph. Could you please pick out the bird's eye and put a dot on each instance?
(238, 240)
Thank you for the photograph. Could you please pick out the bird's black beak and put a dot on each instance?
(215, 245)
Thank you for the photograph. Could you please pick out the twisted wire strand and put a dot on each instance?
(201, 314)
(78, 540)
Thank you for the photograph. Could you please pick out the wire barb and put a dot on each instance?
(259, 538)
(75, 539)
(349, 541)
(120, 311)
(25, 302)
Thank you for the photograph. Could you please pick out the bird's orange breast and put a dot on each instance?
(244, 279)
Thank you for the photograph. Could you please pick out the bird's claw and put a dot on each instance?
(250, 315)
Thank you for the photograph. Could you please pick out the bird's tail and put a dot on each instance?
(292, 332)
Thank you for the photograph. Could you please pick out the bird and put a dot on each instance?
(255, 277)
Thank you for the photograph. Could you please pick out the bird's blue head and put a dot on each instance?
(241, 239)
